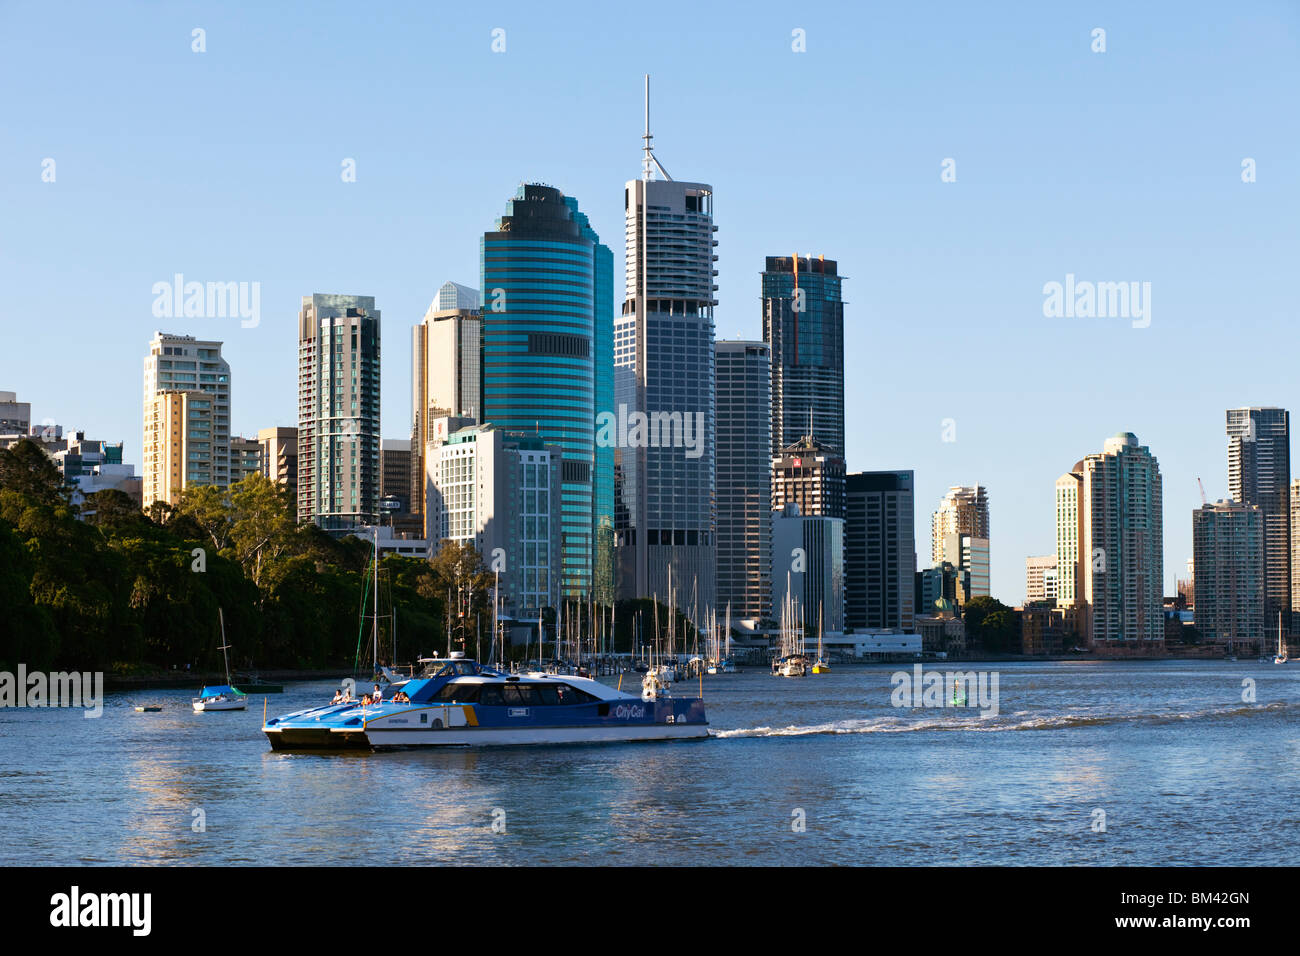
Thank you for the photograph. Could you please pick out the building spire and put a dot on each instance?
(649, 162)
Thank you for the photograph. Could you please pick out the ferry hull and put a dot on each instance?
(289, 738)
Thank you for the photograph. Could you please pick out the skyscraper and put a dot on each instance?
(338, 411)
(1259, 473)
(1122, 550)
(879, 550)
(803, 322)
(186, 416)
(1295, 556)
(446, 377)
(963, 510)
(744, 479)
(1227, 539)
(664, 370)
(544, 278)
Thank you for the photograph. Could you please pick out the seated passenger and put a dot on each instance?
(377, 696)
(338, 697)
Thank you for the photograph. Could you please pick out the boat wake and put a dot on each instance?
(961, 720)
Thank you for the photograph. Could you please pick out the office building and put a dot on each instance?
(803, 322)
(744, 480)
(546, 279)
(1069, 541)
(970, 555)
(664, 371)
(1040, 578)
(808, 570)
(502, 493)
(879, 550)
(446, 374)
(811, 475)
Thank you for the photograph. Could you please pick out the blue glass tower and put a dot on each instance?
(544, 276)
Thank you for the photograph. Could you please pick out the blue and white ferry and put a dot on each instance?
(455, 702)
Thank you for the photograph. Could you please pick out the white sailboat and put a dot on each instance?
(1281, 657)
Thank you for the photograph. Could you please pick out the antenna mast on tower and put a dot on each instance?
(650, 162)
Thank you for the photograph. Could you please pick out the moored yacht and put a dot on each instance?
(457, 702)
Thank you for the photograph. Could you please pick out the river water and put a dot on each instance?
(1152, 763)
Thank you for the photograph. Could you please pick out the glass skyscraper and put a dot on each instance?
(547, 292)
(803, 321)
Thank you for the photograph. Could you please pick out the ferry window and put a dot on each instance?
(528, 694)
(490, 695)
(463, 693)
(571, 695)
(547, 694)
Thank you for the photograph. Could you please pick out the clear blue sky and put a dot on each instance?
(1115, 166)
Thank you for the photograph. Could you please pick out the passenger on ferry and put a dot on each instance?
(378, 696)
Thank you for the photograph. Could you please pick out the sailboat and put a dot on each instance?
(1281, 657)
(792, 662)
(223, 697)
(820, 665)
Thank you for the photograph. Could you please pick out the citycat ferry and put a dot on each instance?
(455, 702)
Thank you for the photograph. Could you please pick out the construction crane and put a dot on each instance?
(1204, 501)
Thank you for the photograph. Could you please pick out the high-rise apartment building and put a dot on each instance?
(879, 550)
(744, 480)
(245, 458)
(1259, 473)
(964, 511)
(803, 322)
(1069, 542)
(547, 281)
(338, 412)
(1122, 549)
(446, 377)
(280, 458)
(186, 439)
(664, 369)
(1227, 546)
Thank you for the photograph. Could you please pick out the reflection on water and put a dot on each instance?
(1186, 772)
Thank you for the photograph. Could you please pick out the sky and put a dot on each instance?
(1122, 165)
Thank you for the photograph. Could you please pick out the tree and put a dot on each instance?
(990, 625)
(209, 508)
